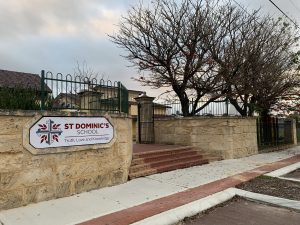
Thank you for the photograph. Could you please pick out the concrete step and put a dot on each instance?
(181, 165)
(161, 152)
(164, 161)
(213, 158)
(168, 167)
(143, 173)
(158, 161)
(155, 158)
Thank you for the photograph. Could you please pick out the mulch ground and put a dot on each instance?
(273, 186)
(295, 174)
(239, 211)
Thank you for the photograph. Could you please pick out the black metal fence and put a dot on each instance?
(274, 132)
(216, 108)
(82, 93)
(298, 130)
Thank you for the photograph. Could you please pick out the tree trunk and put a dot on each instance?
(252, 106)
(184, 101)
(236, 105)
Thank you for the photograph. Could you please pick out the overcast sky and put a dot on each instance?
(55, 34)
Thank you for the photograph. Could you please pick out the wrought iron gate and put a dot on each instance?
(273, 132)
(145, 123)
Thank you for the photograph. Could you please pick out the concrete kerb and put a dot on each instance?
(175, 215)
(283, 171)
(282, 202)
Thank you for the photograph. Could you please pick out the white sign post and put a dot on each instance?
(53, 132)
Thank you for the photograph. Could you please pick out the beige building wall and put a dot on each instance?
(133, 109)
(159, 110)
(90, 100)
(132, 94)
(225, 137)
(26, 178)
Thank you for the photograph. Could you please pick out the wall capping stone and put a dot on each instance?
(205, 117)
(30, 113)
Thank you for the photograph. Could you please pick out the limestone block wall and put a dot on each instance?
(26, 178)
(227, 137)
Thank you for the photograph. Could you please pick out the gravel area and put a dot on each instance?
(273, 186)
(244, 212)
(295, 174)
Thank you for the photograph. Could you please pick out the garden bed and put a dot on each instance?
(239, 211)
(294, 174)
(273, 186)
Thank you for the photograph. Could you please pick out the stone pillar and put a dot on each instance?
(145, 123)
(294, 132)
(290, 131)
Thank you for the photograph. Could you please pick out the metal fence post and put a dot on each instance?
(193, 111)
(42, 89)
(119, 96)
(227, 107)
(139, 123)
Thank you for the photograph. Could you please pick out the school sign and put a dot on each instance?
(53, 132)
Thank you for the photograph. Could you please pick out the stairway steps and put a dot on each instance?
(158, 161)
(213, 158)
(156, 158)
(164, 161)
(161, 152)
(143, 173)
(168, 167)
(182, 165)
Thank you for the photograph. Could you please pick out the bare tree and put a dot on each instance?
(83, 71)
(256, 58)
(87, 78)
(208, 48)
(289, 104)
(168, 40)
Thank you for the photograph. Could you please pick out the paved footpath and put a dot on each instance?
(144, 197)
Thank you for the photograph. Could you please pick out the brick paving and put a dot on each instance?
(148, 209)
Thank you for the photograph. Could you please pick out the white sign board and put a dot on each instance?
(51, 132)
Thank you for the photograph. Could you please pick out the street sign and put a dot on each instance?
(53, 132)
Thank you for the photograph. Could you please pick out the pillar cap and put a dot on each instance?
(144, 97)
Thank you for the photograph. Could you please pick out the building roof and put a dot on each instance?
(13, 79)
